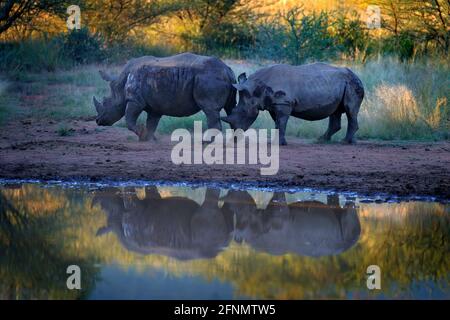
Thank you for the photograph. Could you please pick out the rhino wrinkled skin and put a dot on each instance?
(179, 86)
(311, 92)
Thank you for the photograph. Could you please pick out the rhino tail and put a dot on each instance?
(353, 94)
(356, 84)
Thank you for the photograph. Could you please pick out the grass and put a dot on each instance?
(404, 101)
(64, 130)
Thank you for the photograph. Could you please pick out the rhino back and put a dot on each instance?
(168, 90)
(183, 60)
(312, 87)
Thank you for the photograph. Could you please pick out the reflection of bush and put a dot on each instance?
(409, 241)
(34, 258)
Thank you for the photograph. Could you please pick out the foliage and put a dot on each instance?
(81, 47)
(22, 12)
(115, 21)
(217, 25)
(295, 37)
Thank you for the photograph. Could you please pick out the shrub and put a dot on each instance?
(296, 37)
(29, 55)
(81, 47)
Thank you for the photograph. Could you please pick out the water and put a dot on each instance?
(179, 242)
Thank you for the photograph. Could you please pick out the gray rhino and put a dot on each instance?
(307, 228)
(176, 227)
(179, 86)
(311, 92)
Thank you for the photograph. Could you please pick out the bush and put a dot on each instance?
(296, 37)
(30, 55)
(43, 54)
(81, 47)
(402, 45)
(226, 37)
(352, 37)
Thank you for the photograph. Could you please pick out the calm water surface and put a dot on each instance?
(205, 243)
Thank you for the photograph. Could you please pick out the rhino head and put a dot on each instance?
(112, 108)
(253, 97)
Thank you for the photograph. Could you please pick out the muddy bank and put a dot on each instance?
(32, 149)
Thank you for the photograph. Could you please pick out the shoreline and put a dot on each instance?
(407, 169)
(79, 183)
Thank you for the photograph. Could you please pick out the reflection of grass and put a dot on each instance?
(403, 101)
(409, 241)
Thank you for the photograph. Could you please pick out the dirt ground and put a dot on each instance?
(32, 149)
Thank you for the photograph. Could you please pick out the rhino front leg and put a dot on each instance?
(132, 113)
(152, 124)
(281, 124)
(213, 119)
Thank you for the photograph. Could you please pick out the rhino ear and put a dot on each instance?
(268, 95)
(279, 94)
(105, 76)
(268, 91)
(242, 77)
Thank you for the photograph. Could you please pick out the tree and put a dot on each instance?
(114, 20)
(210, 23)
(424, 21)
(433, 21)
(23, 11)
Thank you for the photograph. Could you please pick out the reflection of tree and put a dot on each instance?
(409, 241)
(33, 259)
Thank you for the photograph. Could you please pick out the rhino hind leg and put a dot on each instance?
(334, 125)
(354, 95)
(152, 124)
(132, 112)
(352, 127)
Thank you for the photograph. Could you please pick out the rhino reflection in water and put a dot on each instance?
(177, 227)
(181, 228)
(309, 228)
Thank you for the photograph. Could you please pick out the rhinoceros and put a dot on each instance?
(307, 228)
(177, 227)
(311, 92)
(179, 86)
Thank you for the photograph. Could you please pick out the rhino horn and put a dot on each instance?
(105, 76)
(98, 105)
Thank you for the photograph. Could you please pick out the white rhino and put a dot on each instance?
(311, 92)
(179, 86)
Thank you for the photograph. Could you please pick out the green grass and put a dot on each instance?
(64, 130)
(404, 101)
